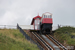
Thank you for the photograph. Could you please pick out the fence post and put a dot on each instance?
(59, 26)
(4, 26)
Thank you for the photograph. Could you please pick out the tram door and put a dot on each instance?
(37, 24)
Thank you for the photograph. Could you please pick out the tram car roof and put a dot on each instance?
(47, 13)
(34, 19)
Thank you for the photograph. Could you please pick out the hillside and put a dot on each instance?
(66, 35)
(11, 39)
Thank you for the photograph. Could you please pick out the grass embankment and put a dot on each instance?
(66, 35)
(11, 39)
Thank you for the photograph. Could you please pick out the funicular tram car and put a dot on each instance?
(43, 24)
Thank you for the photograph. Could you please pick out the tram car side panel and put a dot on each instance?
(47, 20)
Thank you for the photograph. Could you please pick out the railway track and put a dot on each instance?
(56, 42)
(53, 42)
(44, 44)
(47, 42)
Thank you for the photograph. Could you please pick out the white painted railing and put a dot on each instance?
(8, 27)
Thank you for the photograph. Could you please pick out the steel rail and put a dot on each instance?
(46, 42)
(40, 42)
(64, 48)
(53, 42)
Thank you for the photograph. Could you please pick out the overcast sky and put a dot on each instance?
(22, 11)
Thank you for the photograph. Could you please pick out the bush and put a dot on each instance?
(65, 34)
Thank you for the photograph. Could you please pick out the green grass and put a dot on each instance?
(64, 35)
(11, 39)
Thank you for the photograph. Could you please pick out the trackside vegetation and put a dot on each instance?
(12, 39)
(66, 35)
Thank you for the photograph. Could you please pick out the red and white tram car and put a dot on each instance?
(44, 23)
(35, 22)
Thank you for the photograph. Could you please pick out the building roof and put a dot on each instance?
(35, 18)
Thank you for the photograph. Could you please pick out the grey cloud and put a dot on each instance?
(22, 11)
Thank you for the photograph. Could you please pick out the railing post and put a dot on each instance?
(18, 26)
